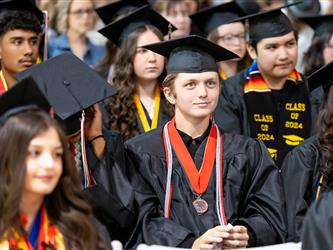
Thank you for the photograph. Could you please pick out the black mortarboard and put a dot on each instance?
(110, 11)
(270, 23)
(321, 77)
(24, 95)
(320, 23)
(121, 28)
(70, 86)
(192, 54)
(22, 5)
(210, 18)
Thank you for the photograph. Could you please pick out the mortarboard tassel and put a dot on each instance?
(89, 180)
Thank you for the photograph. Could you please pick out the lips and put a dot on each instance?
(45, 178)
(27, 63)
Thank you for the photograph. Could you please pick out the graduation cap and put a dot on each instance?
(192, 54)
(120, 29)
(110, 11)
(270, 23)
(321, 77)
(25, 5)
(319, 23)
(23, 96)
(210, 18)
(71, 87)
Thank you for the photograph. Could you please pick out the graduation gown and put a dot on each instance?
(300, 173)
(252, 193)
(113, 196)
(318, 230)
(231, 114)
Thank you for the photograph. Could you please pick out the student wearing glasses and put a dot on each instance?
(76, 18)
(217, 25)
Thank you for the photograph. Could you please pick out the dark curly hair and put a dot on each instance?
(19, 19)
(314, 58)
(325, 129)
(65, 206)
(122, 109)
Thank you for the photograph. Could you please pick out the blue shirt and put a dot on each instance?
(61, 45)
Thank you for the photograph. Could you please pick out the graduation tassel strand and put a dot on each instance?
(89, 180)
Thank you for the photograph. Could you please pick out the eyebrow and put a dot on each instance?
(21, 38)
(41, 146)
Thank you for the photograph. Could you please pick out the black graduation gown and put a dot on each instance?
(300, 174)
(252, 193)
(113, 196)
(231, 114)
(317, 231)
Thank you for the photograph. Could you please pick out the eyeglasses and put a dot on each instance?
(230, 38)
(80, 12)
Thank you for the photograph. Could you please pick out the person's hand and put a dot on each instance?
(93, 124)
(212, 238)
(238, 238)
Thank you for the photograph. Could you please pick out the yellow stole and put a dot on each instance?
(48, 235)
(223, 75)
(141, 112)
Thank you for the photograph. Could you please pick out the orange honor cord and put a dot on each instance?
(198, 180)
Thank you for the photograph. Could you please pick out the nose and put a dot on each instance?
(151, 56)
(28, 50)
(48, 161)
(283, 53)
(202, 90)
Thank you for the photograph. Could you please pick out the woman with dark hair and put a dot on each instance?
(109, 13)
(139, 105)
(320, 51)
(48, 210)
(307, 170)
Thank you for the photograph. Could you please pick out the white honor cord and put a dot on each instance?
(218, 178)
(169, 167)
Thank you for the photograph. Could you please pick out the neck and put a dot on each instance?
(9, 78)
(30, 205)
(229, 67)
(146, 89)
(75, 37)
(194, 127)
(275, 83)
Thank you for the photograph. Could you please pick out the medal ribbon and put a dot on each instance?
(141, 112)
(198, 180)
(3, 85)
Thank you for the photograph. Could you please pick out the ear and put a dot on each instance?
(252, 52)
(169, 95)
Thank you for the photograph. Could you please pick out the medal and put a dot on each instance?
(200, 205)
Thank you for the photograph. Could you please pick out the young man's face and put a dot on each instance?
(18, 50)
(276, 56)
(195, 95)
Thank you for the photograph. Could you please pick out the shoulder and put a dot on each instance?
(147, 143)
(309, 149)
(238, 79)
(305, 156)
(235, 144)
(58, 45)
